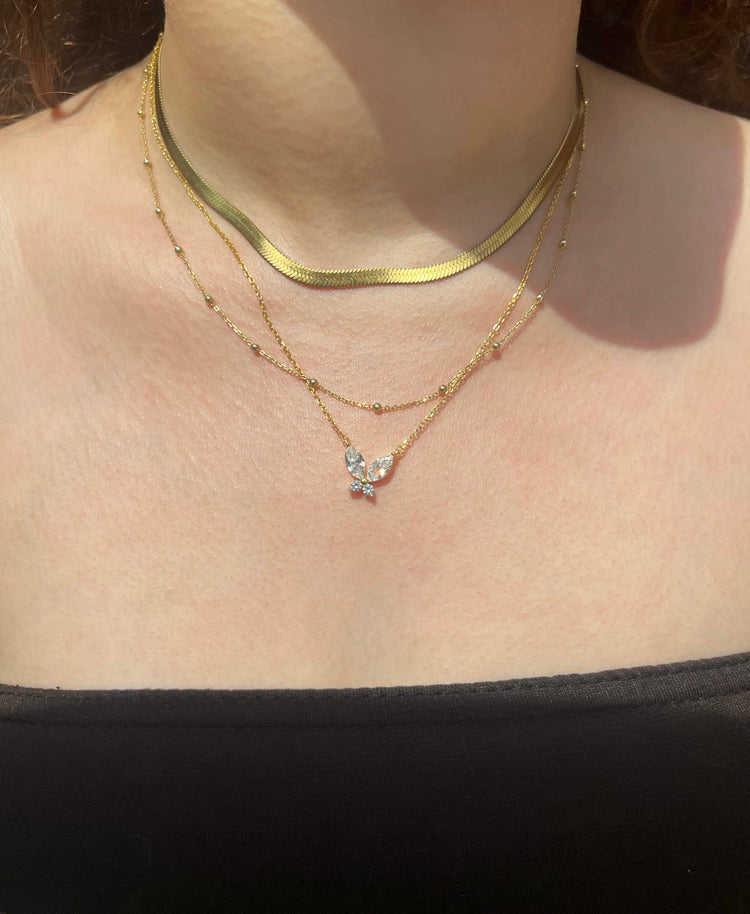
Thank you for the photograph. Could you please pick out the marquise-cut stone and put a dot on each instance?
(355, 462)
(380, 468)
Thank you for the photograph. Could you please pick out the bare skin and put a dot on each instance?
(173, 513)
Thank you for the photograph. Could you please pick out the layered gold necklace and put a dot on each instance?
(364, 477)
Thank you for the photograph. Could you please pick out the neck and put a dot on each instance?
(402, 121)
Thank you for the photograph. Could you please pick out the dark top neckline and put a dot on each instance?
(671, 668)
(617, 790)
(684, 681)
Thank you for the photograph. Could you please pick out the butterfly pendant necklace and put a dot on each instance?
(362, 482)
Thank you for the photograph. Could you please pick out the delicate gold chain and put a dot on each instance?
(375, 406)
(446, 392)
(372, 275)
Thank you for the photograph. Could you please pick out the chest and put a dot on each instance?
(174, 535)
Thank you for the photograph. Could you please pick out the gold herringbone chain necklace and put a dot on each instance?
(372, 275)
(381, 467)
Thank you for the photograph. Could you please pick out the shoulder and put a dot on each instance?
(666, 207)
(52, 163)
(656, 289)
(57, 160)
(69, 183)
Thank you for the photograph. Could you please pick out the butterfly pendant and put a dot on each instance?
(363, 482)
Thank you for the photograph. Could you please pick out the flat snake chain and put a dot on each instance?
(372, 275)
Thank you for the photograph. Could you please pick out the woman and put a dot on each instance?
(516, 676)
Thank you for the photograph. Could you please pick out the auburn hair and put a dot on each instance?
(696, 49)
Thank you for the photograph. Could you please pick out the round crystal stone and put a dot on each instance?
(368, 489)
(356, 486)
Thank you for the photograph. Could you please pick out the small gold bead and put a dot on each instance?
(157, 211)
(573, 194)
(141, 112)
(539, 297)
(177, 249)
(145, 69)
(586, 102)
(313, 382)
(255, 347)
(376, 407)
(146, 162)
(563, 243)
(443, 389)
(496, 345)
(582, 146)
(208, 299)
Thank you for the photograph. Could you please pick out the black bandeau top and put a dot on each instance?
(626, 790)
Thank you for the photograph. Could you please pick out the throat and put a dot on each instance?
(374, 125)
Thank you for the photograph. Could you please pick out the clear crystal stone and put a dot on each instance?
(368, 489)
(356, 486)
(355, 462)
(380, 468)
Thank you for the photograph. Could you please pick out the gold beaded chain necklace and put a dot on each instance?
(296, 371)
(371, 275)
(375, 406)
(355, 463)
